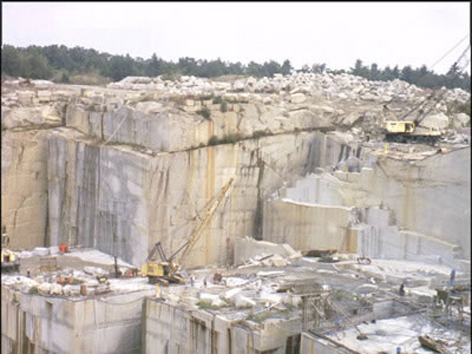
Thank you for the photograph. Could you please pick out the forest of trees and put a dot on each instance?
(63, 64)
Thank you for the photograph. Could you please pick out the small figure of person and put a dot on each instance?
(452, 277)
(401, 292)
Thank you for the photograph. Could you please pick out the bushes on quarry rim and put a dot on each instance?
(229, 139)
(205, 113)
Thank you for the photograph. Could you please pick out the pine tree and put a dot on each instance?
(286, 68)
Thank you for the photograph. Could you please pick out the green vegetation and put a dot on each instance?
(232, 138)
(61, 64)
(202, 305)
(205, 97)
(178, 99)
(421, 77)
(260, 317)
(260, 133)
(218, 100)
(456, 107)
(90, 67)
(224, 105)
(229, 139)
(205, 113)
(340, 295)
(173, 75)
(148, 97)
(87, 79)
(213, 140)
(33, 290)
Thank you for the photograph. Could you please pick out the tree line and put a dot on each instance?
(60, 64)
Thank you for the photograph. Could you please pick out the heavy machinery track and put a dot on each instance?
(412, 139)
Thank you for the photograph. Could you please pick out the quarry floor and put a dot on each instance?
(261, 284)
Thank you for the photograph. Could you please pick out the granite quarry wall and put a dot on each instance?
(97, 193)
(25, 187)
(35, 323)
(174, 329)
(124, 167)
(431, 196)
(397, 209)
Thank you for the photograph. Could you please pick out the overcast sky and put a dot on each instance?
(338, 33)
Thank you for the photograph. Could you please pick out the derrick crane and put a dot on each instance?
(9, 262)
(166, 270)
(406, 131)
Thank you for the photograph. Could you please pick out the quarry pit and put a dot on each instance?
(307, 252)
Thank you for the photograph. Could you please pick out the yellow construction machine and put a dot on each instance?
(407, 131)
(9, 261)
(165, 270)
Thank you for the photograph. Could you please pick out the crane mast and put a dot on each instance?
(165, 271)
(205, 222)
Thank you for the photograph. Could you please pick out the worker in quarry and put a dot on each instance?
(401, 291)
(452, 277)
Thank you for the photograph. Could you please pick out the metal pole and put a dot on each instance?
(305, 314)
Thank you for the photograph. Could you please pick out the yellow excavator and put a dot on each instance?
(165, 270)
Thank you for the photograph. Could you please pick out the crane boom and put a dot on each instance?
(206, 221)
(401, 130)
(165, 271)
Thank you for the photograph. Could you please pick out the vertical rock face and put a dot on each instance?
(431, 196)
(180, 124)
(176, 329)
(399, 209)
(59, 325)
(24, 187)
(122, 125)
(26, 117)
(96, 196)
(305, 226)
(122, 201)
